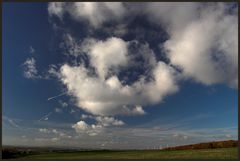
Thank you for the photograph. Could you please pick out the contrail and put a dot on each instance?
(50, 98)
(45, 116)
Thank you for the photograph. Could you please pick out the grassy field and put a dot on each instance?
(220, 153)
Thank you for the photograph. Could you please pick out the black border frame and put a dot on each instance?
(23, 1)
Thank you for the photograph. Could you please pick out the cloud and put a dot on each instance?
(133, 111)
(84, 116)
(108, 121)
(172, 16)
(44, 130)
(70, 45)
(23, 136)
(110, 95)
(63, 104)
(138, 110)
(30, 70)
(121, 75)
(56, 8)
(103, 120)
(46, 139)
(202, 41)
(31, 50)
(180, 137)
(120, 137)
(102, 52)
(228, 136)
(72, 111)
(118, 30)
(195, 29)
(209, 42)
(52, 72)
(94, 13)
(55, 139)
(197, 45)
(194, 39)
(82, 127)
(58, 110)
(54, 132)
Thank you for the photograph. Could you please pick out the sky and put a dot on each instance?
(118, 75)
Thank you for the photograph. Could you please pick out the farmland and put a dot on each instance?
(211, 150)
(220, 153)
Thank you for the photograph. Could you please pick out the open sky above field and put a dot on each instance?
(119, 75)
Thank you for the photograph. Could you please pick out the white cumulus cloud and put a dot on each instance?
(207, 49)
(203, 39)
(93, 12)
(109, 96)
(138, 110)
(108, 121)
(82, 127)
(106, 54)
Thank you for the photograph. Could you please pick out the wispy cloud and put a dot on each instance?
(62, 103)
(30, 70)
(58, 110)
(31, 50)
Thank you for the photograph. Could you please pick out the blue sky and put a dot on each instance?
(200, 105)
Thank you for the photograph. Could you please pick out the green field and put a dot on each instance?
(220, 153)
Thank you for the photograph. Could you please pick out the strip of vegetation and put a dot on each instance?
(209, 145)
